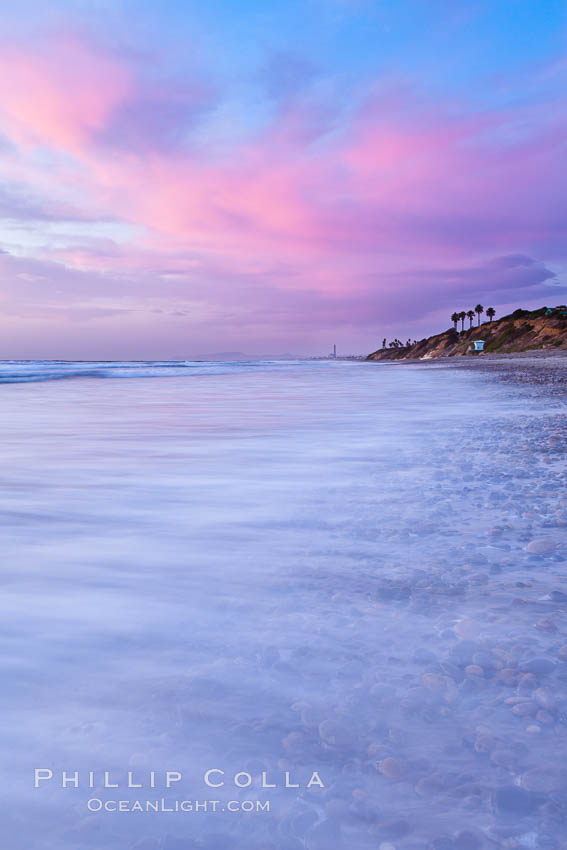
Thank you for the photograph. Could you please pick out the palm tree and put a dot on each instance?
(479, 310)
(490, 312)
(470, 316)
(455, 319)
(462, 317)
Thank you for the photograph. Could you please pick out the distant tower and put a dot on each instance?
(334, 351)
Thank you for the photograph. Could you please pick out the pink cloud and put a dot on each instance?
(60, 92)
(314, 214)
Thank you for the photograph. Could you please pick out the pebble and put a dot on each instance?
(429, 785)
(437, 683)
(485, 742)
(433, 681)
(525, 709)
(511, 800)
(466, 629)
(507, 676)
(544, 717)
(294, 743)
(546, 698)
(540, 546)
(392, 768)
(539, 666)
(544, 780)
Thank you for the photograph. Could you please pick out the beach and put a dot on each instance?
(271, 570)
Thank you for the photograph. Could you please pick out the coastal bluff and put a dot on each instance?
(522, 330)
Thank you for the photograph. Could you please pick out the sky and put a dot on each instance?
(179, 177)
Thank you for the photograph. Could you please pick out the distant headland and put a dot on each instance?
(522, 330)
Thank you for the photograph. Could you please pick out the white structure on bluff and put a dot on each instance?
(478, 345)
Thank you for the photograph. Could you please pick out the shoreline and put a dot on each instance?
(545, 356)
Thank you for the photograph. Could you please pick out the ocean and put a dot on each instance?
(327, 597)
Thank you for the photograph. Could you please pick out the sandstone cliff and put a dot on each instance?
(522, 330)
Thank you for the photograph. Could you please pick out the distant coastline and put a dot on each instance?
(522, 331)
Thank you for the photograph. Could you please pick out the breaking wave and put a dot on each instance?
(29, 371)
